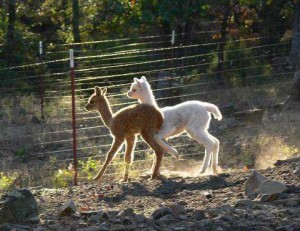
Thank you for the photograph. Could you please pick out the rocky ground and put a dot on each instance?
(173, 203)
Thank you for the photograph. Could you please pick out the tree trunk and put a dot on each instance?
(295, 53)
(223, 38)
(75, 21)
(10, 35)
(64, 7)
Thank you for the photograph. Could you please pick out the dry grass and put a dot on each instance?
(243, 142)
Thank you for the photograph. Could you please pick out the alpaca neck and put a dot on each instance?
(106, 113)
(148, 98)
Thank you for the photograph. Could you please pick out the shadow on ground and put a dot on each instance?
(165, 188)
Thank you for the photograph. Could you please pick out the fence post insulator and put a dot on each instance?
(71, 58)
(173, 37)
(40, 48)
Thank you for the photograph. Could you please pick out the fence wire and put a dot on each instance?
(255, 75)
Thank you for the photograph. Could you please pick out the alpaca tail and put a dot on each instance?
(166, 146)
(214, 110)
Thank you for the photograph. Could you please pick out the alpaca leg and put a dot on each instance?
(157, 164)
(149, 138)
(109, 157)
(215, 155)
(206, 139)
(130, 143)
(166, 146)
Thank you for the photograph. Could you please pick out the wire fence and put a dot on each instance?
(39, 117)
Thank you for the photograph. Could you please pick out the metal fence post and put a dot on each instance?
(73, 115)
(42, 90)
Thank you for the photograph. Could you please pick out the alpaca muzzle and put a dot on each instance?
(87, 107)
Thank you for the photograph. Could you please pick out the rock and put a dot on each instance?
(126, 212)
(252, 184)
(179, 228)
(183, 217)
(283, 195)
(297, 171)
(19, 206)
(183, 203)
(67, 209)
(198, 215)
(102, 227)
(161, 212)
(126, 221)
(267, 197)
(14, 227)
(40, 228)
(288, 202)
(226, 208)
(271, 187)
(227, 218)
(240, 212)
(177, 209)
(244, 203)
(213, 212)
(167, 219)
(208, 195)
(96, 216)
(140, 218)
(250, 115)
(57, 227)
(285, 228)
(219, 229)
(205, 224)
(243, 227)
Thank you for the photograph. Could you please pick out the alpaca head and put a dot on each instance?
(97, 99)
(138, 88)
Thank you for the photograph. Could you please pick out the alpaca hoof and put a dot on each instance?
(202, 172)
(158, 177)
(96, 178)
(124, 181)
(215, 170)
(153, 178)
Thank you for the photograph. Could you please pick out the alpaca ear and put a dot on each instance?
(138, 82)
(98, 91)
(144, 78)
(103, 91)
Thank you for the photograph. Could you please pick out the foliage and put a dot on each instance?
(21, 153)
(63, 178)
(51, 22)
(6, 180)
(87, 168)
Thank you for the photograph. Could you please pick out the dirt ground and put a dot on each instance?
(173, 203)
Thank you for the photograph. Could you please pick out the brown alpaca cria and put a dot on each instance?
(124, 125)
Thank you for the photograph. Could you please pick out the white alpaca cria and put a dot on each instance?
(192, 117)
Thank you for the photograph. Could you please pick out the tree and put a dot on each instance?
(223, 37)
(295, 51)
(10, 34)
(75, 21)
